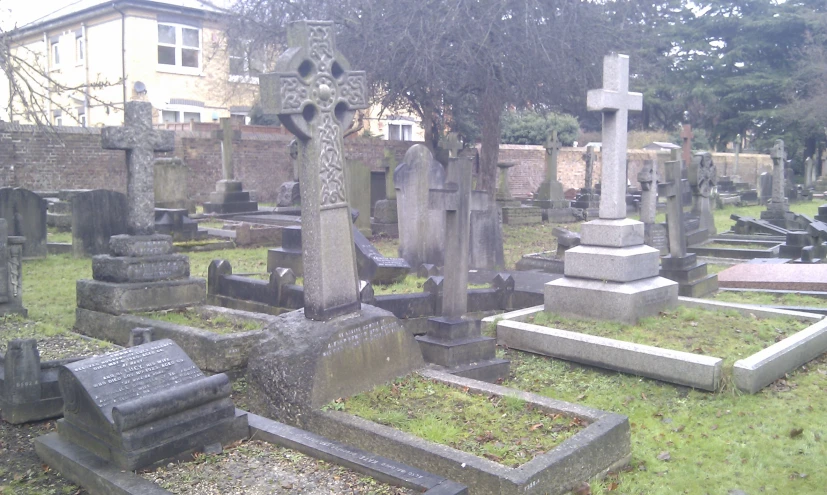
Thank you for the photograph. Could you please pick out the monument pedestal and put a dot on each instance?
(304, 364)
(289, 255)
(458, 346)
(229, 197)
(691, 276)
(612, 275)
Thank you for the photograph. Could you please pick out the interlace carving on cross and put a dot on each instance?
(316, 97)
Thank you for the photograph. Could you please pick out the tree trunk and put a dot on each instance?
(491, 107)
(428, 125)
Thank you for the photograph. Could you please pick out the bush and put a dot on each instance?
(530, 127)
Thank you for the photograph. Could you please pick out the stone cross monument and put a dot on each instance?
(316, 96)
(551, 189)
(229, 195)
(737, 153)
(226, 135)
(140, 141)
(654, 234)
(779, 160)
(612, 275)
(686, 149)
(703, 177)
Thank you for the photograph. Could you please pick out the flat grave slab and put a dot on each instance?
(806, 277)
(750, 374)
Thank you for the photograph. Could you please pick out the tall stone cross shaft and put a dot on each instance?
(671, 188)
(589, 157)
(141, 142)
(553, 146)
(779, 156)
(686, 148)
(227, 135)
(315, 96)
(457, 201)
(615, 101)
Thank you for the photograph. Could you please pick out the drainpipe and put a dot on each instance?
(48, 75)
(86, 70)
(123, 52)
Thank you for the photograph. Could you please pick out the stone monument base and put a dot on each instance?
(458, 346)
(522, 215)
(304, 364)
(691, 276)
(119, 298)
(627, 302)
(229, 198)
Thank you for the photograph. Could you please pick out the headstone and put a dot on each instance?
(358, 193)
(612, 274)
(504, 197)
(451, 341)
(809, 172)
(737, 153)
(289, 255)
(702, 178)
(335, 346)
(420, 229)
(686, 148)
(25, 214)
(171, 179)
(144, 404)
(654, 234)
(778, 207)
(588, 200)
(11, 272)
(96, 216)
(375, 268)
(551, 189)
(679, 266)
(765, 187)
(229, 195)
(141, 274)
(177, 223)
(289, 192)
(28, 387)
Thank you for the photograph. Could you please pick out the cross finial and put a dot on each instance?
(778, 152)
(453, 144)
(553, 143)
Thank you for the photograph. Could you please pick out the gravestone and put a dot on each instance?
(737, 153)
(11, 272)
(176, 222)
(229, 195)
(289, 193)
(96, 216)
(335, 346)
(145, 404)
(588, 200)
(679, 266)
(385, 213)
(551, 189)
(504, 197)
(778, 208)
(28, 387)
(612, 274)
(654, 234)
(171, 179)
(512, 211)
(765, 187)
(686, 145)
(420, 229)
(375, 268)
(809, 172)
(141, 274)
(358, 184)
(702, 179)
(25, 214)
(452, 342)
(289, 255)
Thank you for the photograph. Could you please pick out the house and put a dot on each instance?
(95, 55)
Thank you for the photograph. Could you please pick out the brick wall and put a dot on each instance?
(72, 158)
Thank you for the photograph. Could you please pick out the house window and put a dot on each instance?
(55, 50)
(168, 116)
(172, 116)
(179, 46)
(400, 132)
(79, 50)
(57, 117)
(192, 117)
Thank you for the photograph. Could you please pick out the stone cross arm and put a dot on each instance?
(449, 199)
(553, 143)
(452, 144)
(605, 100)
(137, 131)
(778, 152)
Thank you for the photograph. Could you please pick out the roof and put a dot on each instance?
(82, 9)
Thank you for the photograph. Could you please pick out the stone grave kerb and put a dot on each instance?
(686, 148)
(615, 102)
(227, 135)
(779, 159)
(457, 200)
(140, 141)
(315, 95)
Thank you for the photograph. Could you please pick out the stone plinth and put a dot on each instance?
(229, 197)
(28, 387)
(458, 346)
(691, 276)
(524, 215)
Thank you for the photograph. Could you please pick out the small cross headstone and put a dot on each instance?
(686, 149)
(458, 201)
(315, 96)
(737, 153)
(553, 146)
(615, 101)
(671, 189)
(779, 159)
(227, 135)
(452, 144)
(141, 142)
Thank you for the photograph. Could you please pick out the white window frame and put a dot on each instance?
(54, 54)
(80, 50)
(401, 124)
(181, 110)
(178, 46)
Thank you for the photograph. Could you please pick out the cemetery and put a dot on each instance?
(312, 310)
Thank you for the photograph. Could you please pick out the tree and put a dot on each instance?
(530, 127)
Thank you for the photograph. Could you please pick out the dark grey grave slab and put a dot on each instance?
(97, 215)
(289, 255)
(374, 267)
(25, 213)
(145, 404)
(177, 223)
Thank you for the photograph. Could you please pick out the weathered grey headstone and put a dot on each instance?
(289, 194)
(145, 404)
(96, 216)
(289, 255)
(686, 147)
(358, 192)
(176, 222)
(28, 388)
(171, 178)
(809, 172)
(229, 195)
(25, 214)
(588, 200)
(420, 229)
(778, 208)
(702, 178)
(504, 197)
(375, 268)
(612, 274)
(654, 234)
(11, 272)
(737, 153)
(452, 342)
(551, 189)
(765, 186)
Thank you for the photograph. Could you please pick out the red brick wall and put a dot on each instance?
(72, 158)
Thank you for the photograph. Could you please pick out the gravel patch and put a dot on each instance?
(261, 468)
(52, 344)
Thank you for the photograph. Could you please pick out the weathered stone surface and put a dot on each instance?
(125, 269)
(25, 214)
(486, 244)
(138, 246)
(28, 388)
(170, 182)
(613, 264)
(421, 231)
(11, 272)
(119, 298)
(144, 404)
(358, 192)
(375, 268)
(96, 217)
(304, 364)
(289, 194)
(384, 211)
(612, 233)
(798, 277)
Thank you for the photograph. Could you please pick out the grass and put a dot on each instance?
(54, 235)
(411, 284)
(204, 320)
(503, 429)
(767, 299)
(688, 329)
(739, 245)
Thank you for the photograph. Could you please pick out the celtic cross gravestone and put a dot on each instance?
(316, 96)
(141, 142)
(686, 148)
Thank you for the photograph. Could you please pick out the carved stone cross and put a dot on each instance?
(671, 188)
(615, 101)
(553, 146)
(779, 159)
(315, 96)
(458, 201)
(589, 157)
(686, 149)
(452, 144)
(227, 135)
(141, 142)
